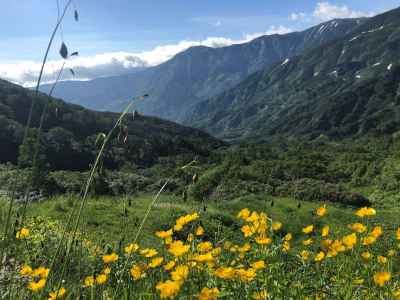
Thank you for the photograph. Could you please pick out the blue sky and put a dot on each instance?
(133, 27)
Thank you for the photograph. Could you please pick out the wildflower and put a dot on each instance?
(308, 229)
(376, 232)
(199, 231)
(101, 279)
(149, 252)
(155, 262)
(366, 255)
(58, 294)
(41, 272)
(287, 237)
(258, 265)
(177, 248)
(380, 278)
(204, 246)
(246, 275)
(254, 217)
(136, 272)
(111, 258)
(22, 234)
(365, 212)
(37, 286)
(106, 270)
(305, 255)
(26, 270)
(382, 259)
(182, 221)
(320, 256)
(202, 258)
(169, 266)
(262, 295)
(263, 240)
(164, 234)
(208, 294)
(307, 242)
(285, 246)
(325, 231)
(181, 273)
(89, 281)
(358, 227)
(168, 289)
(225, 272)
(216, 251)
(391, 253)
(243, 214)
(276, 226)
(321, 211)
(350, 240)
(247, 230)
(398, 234)
(369, 240)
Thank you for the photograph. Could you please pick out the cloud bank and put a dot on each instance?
(115, 63)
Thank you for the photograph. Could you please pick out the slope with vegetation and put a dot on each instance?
(347, 87)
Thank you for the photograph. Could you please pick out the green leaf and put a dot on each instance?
(64, 51)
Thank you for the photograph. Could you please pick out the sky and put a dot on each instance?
(115, 36)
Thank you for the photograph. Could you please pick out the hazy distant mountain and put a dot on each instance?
(198, 73)
(70, 132)
(349, 86)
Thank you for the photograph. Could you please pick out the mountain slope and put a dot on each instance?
(70, 132)
(198, 73)
(349, 86)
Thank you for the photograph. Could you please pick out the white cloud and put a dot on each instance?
(297, 16)
(115, 63)
(325, 11)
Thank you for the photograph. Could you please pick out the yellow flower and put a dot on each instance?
(325, 231)
(168, 289)
(258, 265)
(366, 255)
(225, 273)
(181, 273)
(137, 272)
(396, 294)
(308, 229)
(170, 265)
(305, 255)
(358, 281)
(58, 294)
(262, 295)
(246, 275)
(202, 258)
(321, 211)
(199, 231)
(22, 234)
(111, 258)
(391, 253)
(307, 242)
(182, 221)
(155, 262)
(398, 234)
(285, 246)
(358, 227)
(365, 212)
(26, 270)
(208, 294)
(320, 256)
(148, 252)
(177, 248)
(382, 259)
(243, 214)
(376, 232)
(350, 240)
(164, 234)
(380, 278)
(37, 286)
(204, 246)
(89, 281)
(369, 240)
(276, 226)
(287, 237)
(262, 240)
(41, 272)
(254, 217)
(248, 230)
(101, 279)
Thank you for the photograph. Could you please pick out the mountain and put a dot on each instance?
(70, 132)
(347, 87)
(197, 73)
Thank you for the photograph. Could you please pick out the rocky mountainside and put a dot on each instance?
(197, 73)
(347, 87)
